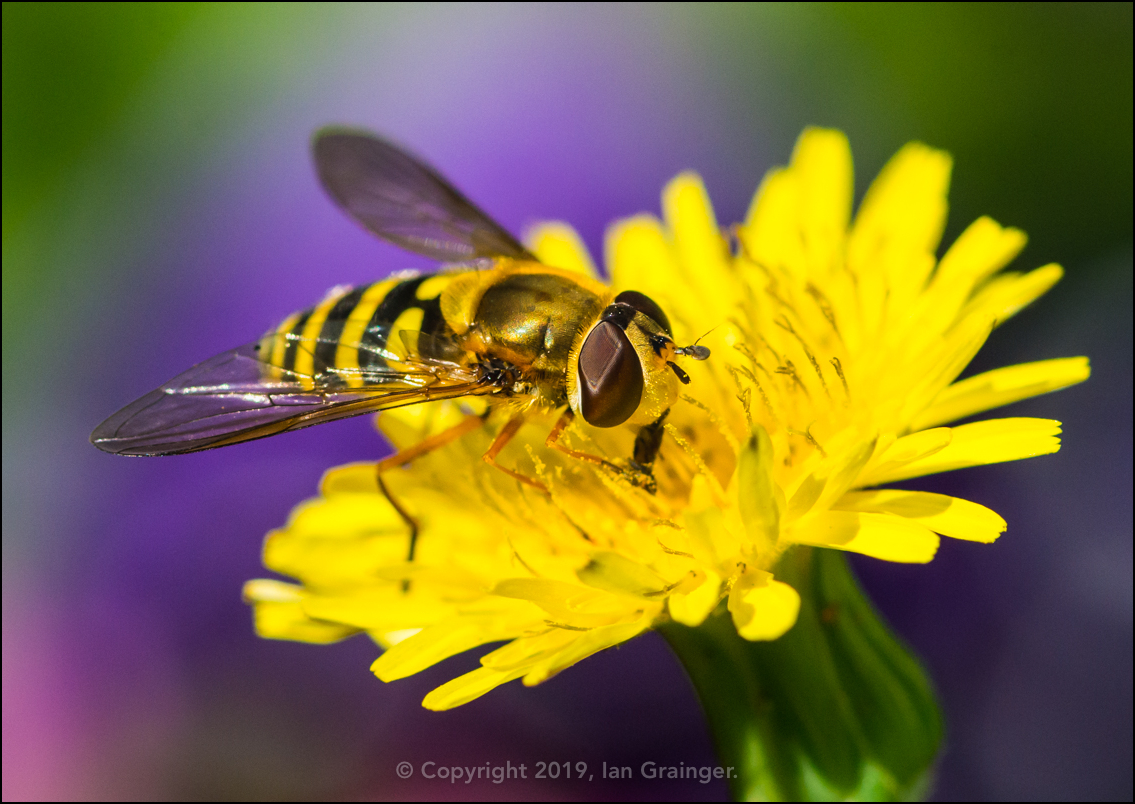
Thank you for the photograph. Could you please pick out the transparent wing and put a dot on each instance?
(235, 397)
(405, 201)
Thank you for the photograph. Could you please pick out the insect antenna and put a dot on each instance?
(694, 351)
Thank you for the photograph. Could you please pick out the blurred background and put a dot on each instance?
(159, 206)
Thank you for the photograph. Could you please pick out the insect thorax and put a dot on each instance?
(530, 320)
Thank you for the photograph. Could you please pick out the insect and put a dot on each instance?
(503, 326)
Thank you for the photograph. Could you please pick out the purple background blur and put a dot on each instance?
(160, 206)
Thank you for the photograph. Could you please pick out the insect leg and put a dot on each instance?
(553, 441)
(427, 445)
(503, 437)
(646, 446)
(409, 520)
(648, 442)
(405, 456)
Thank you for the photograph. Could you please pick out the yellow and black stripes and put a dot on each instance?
(353, 328)
(351, 337)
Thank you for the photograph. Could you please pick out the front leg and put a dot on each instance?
(646, 448)
(553, 441)
(505, 435)
(648, 442)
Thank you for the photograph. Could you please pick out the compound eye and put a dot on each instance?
(610, 377)
(645, 305)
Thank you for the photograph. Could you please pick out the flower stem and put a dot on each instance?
(837, 708)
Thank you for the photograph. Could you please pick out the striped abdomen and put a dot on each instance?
(355, 332)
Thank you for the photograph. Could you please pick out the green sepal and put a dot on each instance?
(836, 709)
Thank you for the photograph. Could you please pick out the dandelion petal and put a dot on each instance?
(979, 443)
(1001, 387)
(583, 646)
(278, 614)
(949, 516)
(884, 536)
(763, 608)
(468, 687)
(559, 245)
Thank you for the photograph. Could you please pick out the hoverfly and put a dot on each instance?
(502, 326)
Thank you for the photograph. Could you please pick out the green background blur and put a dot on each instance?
(123, 122)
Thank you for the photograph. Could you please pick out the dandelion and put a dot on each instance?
(837, 345)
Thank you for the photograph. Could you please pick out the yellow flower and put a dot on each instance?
(836, 345)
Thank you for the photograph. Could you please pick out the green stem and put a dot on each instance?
(837, 708)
